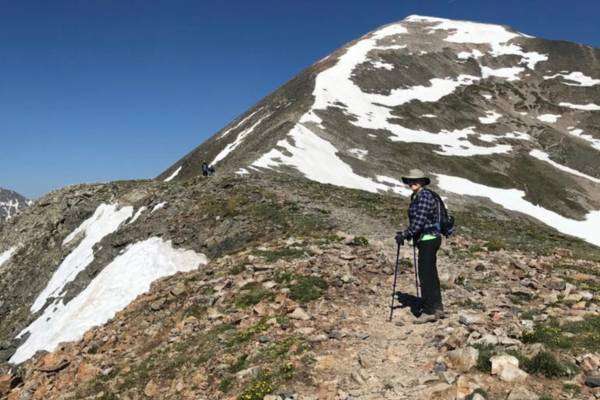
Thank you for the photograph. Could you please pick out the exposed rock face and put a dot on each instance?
(11, 203)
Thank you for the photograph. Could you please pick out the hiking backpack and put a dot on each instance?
(445, 221)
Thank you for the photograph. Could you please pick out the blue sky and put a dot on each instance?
(99, 90)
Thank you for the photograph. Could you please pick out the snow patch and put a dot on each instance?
(238, 140)
(589, 138)
(158, 207)
(358, 153)
(578, 78)
(585, 107)
(137, 214)
(118, 284)
(510, 73)
(429, 116)
(317, 160)
(550, 118)
(106, 219)
(242, 171)
(490, 118)
(382, 65)
(222, 135)
(540, 155)
(487, 96)
(173, 175)
(513, 199)
(6, 255)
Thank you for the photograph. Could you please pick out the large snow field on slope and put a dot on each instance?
(589, 138)
(173, 175)
(6, 255)
(496, 36)
(316, 158)
(334, 86)
(584, 107)
(579, 78)
(513, 199)
(106, 219)
(540, 155)
(238, 140)
(118, 284)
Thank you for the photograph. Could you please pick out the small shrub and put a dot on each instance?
(257, 391)
(226, 384)
(486, 351)
(359, 241)
(494, 245)
(546, 364)
(254, 297)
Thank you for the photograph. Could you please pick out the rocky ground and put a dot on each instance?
(306, 318)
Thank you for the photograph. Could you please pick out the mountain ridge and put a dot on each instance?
(472, 96)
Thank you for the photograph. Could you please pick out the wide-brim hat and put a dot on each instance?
(416, 175)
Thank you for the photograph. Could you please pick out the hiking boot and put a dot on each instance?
(426, 318)
(440, 314)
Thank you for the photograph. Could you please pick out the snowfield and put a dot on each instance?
(513, 199)
(117, 285)
(106, 219)
(317, 159)
(238, 140)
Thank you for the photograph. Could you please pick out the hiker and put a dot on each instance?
(424, 231)
(211, 170)
(204, 168)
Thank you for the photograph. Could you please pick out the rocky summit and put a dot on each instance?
(272, 279)
(11, 203)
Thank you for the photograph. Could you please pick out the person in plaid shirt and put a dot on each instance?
(424, 231)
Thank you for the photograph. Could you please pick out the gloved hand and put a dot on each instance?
(400, 238)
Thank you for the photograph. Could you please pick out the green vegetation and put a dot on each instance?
(267, 381)
(253, 294)
(486, 352)
(286, 253)
(544, 363)
(572, 388)
(573, 336)
(303, 288)
(359, 241)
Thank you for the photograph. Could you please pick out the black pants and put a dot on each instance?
(428, 276)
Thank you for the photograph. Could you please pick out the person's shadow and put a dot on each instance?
(409, 300)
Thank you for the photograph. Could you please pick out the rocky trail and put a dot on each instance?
(306, 318)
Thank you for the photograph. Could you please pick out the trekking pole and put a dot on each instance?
(416, 270)
(395, 279)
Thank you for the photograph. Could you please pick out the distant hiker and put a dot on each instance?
(211, 170)
(204, 168)
(424, 231)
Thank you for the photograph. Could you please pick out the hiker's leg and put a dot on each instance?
(430, 282)
(437, 291)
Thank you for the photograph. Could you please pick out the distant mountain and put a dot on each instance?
(11, 203)
(509, 120)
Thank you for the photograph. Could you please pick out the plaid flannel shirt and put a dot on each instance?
(422, 215)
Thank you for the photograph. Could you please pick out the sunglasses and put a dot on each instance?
(410, 183)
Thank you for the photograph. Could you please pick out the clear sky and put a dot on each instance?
(99, 90)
